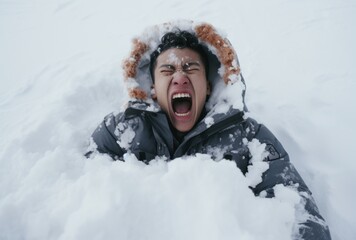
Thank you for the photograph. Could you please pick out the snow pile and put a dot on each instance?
(60, 75)
(68, 197)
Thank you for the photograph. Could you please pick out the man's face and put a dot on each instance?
(181, 86)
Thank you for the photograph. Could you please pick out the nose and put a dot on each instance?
(180, 78)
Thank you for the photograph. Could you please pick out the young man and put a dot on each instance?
(188, 97)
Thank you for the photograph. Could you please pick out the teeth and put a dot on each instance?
(182, 114)
(181, 95)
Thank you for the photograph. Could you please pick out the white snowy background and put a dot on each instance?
(60, 74)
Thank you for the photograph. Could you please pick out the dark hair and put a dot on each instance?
(179, 39)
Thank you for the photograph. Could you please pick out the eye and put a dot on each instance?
(167, 70)
(191, 67)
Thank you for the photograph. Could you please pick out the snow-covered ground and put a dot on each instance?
(60, 74)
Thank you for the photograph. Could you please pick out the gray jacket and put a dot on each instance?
(144, 130)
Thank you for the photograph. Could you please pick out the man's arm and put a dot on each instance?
(282, 171)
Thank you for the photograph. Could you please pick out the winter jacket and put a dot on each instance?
(144, 129)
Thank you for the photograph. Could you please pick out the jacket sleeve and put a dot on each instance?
(281, 171)
(105, 140)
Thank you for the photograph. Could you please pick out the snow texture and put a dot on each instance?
(61, 74)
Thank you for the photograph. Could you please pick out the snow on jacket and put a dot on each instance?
(225, 131)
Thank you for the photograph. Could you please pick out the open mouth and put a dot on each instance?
(181, 104)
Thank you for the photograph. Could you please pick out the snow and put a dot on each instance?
(258, 166)
(126, 137)
(61, 74)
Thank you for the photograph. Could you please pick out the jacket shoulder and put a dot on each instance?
(265, 136)
(108, 135)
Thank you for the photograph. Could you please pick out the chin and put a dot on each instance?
(183, 128)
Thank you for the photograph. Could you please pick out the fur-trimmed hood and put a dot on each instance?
(227, 83)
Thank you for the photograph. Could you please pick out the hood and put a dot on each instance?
(228, 87)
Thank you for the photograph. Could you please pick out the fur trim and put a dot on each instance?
(226, 55)
(130, 67)
(137, 93)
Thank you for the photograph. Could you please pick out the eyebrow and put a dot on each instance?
(166, 65)
(192, 63)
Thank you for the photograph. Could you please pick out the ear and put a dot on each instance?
(153, 92)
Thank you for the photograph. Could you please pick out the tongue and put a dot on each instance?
(181, 106)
